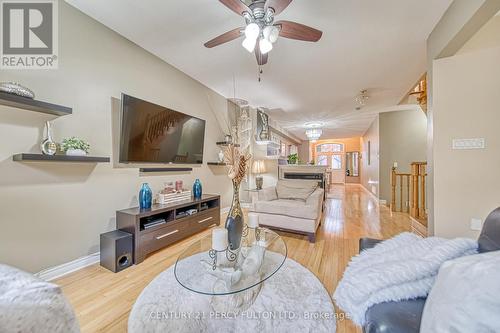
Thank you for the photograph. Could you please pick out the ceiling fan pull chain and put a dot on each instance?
(260, 72)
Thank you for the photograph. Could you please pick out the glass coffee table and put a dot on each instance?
(232, 278)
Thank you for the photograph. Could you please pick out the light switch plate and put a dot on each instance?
(476, 143)
(476, 224)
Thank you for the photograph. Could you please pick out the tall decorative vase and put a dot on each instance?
(48, 146)
(197, 190)
(145, 197)
(234, 221)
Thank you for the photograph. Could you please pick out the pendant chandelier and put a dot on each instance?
(313, 134)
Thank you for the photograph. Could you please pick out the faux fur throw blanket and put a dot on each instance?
(400, 268)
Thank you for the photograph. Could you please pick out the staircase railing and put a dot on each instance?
(408, 191)
(399, 186)
(419, 203)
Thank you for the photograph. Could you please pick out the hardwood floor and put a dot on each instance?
(102, 300)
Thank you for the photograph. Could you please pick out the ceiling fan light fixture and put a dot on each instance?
(252, 31)
(249, 44)
(265, 45)
(271, 33)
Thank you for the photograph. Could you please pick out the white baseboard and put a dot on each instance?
(53, 273)
(371, 194)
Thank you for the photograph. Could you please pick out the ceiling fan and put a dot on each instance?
(261, 31)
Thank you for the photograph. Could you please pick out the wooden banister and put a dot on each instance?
(399, 178)
(414, 202)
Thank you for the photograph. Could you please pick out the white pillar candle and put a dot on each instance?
(253, 220)
(395, 165)
(219, 239)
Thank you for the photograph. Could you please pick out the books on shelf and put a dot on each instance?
(169, 198)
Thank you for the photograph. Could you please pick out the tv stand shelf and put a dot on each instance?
(162, 225)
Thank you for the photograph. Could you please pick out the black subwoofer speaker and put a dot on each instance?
(116, 250)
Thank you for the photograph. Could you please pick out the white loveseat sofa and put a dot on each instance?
(292, 205)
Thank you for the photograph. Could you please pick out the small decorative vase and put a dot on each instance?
(145, 197)
(234, 221)
(221, 156)
(76, 152)
(48, 146)
(197, 189)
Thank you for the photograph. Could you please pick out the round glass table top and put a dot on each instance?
(202, 270)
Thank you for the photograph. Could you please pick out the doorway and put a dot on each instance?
(332, 155)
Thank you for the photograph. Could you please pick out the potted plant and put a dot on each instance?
(75, 147)
(293, 158)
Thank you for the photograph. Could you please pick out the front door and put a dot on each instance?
(333, 156)
(337, 167)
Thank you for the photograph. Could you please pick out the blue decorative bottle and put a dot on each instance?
(197, 190)
(145, 197)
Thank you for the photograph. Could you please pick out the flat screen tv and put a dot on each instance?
(152, 133)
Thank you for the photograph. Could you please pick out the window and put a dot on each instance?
(336, 161)
(329, 148)
(322, 160)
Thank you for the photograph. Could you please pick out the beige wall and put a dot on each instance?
(466, 182)
(370, 173)
(403, 139)
(304, 152)
(486, 37)
(52, 213)
(458, 25)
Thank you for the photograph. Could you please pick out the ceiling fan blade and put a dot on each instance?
(298, 31)
(261, 58)
(236, 6)
(277, 5)
(224, 38)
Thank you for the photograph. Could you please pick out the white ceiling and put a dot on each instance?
(375, 45)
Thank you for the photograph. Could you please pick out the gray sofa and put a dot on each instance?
(405, 316)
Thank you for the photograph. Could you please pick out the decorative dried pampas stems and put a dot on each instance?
(237, 163)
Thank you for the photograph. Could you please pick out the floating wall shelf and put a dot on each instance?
(217, 163)
(27, 157)
(165, 169)
(33, 105)
(223, 143)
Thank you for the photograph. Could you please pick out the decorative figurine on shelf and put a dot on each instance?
(197, 189)
(221, 156)
(145, 197)
(179, 185)
(237, 163)
(48, 146)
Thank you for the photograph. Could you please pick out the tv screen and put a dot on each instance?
(152, 133)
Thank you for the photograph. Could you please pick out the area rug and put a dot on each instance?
(292, 300)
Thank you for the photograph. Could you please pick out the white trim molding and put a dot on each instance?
(53, 273)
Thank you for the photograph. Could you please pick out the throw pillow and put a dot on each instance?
(295, 189)
(465, 296)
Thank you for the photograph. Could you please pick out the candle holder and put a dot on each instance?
(256, 231)
(230, 255)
